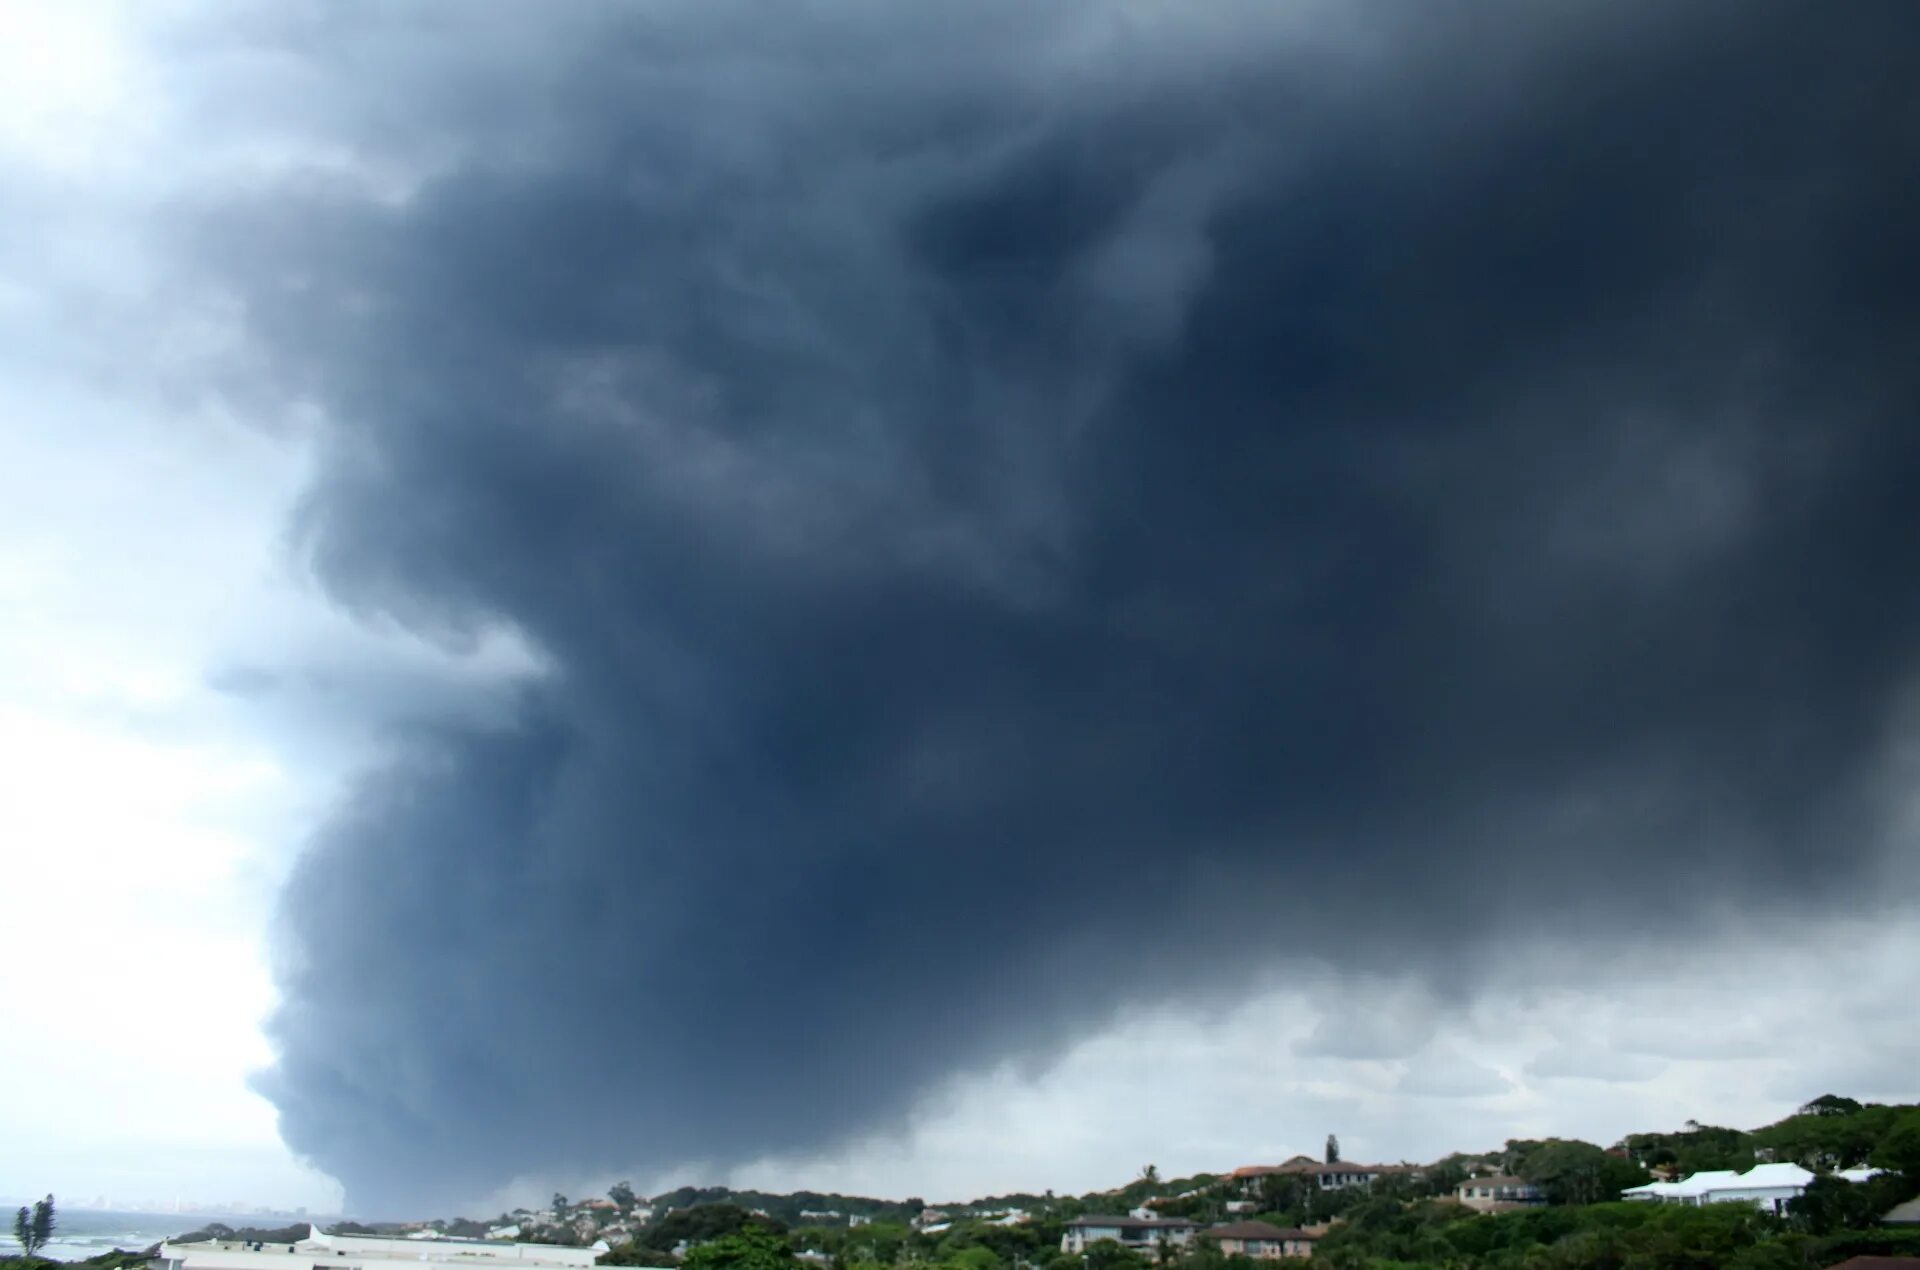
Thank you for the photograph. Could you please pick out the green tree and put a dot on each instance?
(1573, 1172)
(974, 1258)
(1333, 1149)
(750, 1248)
(1899, 1150)
(1108, 1255)
(621, 1193)
(559, 1205)
(1150, 1175)
(1831, 1203)
(34, 1227)
(1830, 1105)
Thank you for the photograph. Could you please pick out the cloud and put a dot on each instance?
(1574, 1062)
(1010, 515)
(1369, 1026)
(1442, 1072)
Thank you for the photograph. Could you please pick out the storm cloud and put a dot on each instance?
(1027, 510)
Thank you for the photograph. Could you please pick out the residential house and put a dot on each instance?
(1498, 1194)
(1906, 1213)
(1327, 1175)
(1765, 1186)
(1261, 1241)
(1140, 1233)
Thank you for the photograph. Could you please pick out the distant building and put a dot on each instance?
(1765, 1186)
(1334, 1176)
(1498, 1194)
(1139, 1233)
(372, 1252)
(1261, 1241)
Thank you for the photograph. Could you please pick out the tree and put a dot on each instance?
(975, 1258)
(1900, 1149)
(750, 1248)
(1574, 1172)
(1333, 1149)
(621, 1193)
(1832, 1203)
(559, 1204)
(1830, 1105)
(34, 1227)
(1150, 1175)
(1108, 1255)
(703, 1222)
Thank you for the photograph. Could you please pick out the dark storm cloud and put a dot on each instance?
(1028, 514)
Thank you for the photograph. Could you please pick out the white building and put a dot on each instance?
(372, 1252)
(1139, 1233)
(1498, 1194)
(1767, 1186)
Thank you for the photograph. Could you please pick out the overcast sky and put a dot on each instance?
(944, 599)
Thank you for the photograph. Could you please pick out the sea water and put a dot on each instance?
(80, 1233)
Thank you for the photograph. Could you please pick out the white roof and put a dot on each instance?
(1761, 1177)
(1858, 1175)
(1701, 1183)
(1767, 1176)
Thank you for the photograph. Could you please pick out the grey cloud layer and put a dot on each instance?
(1026, 515)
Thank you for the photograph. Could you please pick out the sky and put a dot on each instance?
(937, 600)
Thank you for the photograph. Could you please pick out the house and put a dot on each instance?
(1765, 1186)
(1906, 1213)
(1261, 1241)
(1498, 1194)
(1140, 1233)
(1327, 1175)
(321, 1251)
(1689, 1190)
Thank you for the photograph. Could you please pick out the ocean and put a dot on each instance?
(80, 1233)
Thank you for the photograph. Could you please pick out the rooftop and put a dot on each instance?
(1304, 1167)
